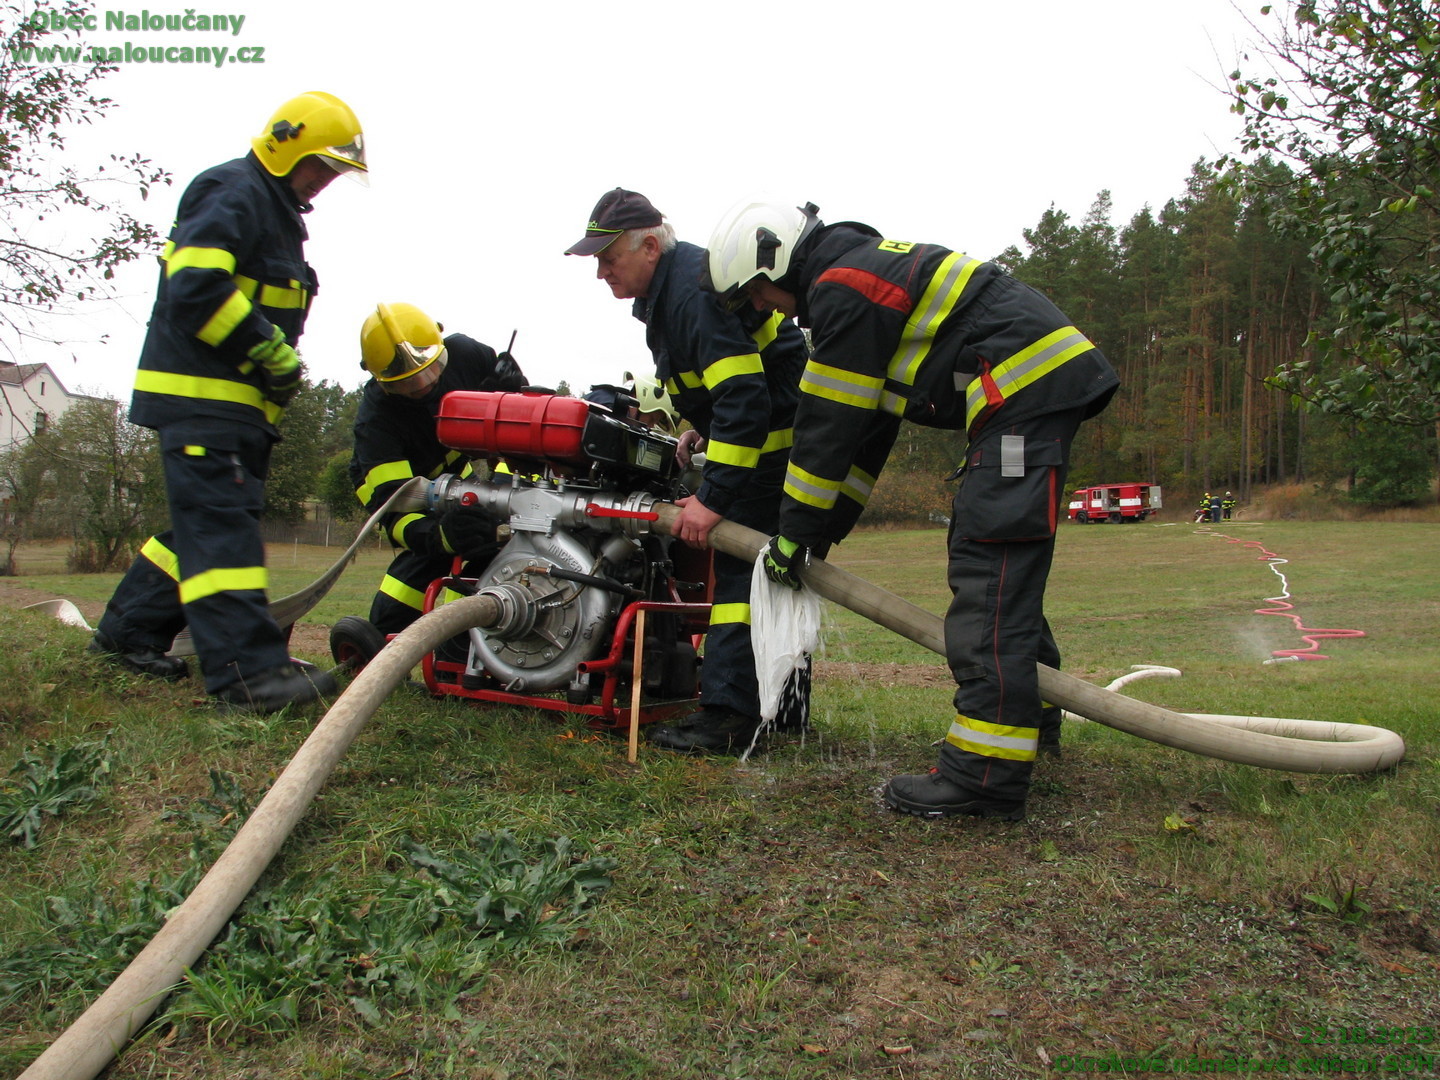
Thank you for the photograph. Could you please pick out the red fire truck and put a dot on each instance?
(1114, 503)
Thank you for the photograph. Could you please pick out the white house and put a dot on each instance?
(31, 399)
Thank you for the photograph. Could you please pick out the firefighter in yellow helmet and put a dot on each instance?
(413, 364)
(216, 371)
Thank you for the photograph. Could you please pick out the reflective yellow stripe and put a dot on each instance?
(397, 531)
(1027, 366)
(397, 590)
(273, 296)
(837, 384)
(779, 439)
(195, 451)
(810, 489)
(939, 300)
(721, 614)
(382, 474)
(723, 453)
(689, 380)
(858, 486)
(203, 389)
(222, 579)
(730, 367)
(164, 559)
(993, 740)
(197, 258)
(769, 332)
(227, 317)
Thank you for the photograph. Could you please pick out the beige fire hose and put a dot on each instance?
(93, 1040)
(1269, 742)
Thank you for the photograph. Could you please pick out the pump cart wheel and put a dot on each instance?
(354, 642)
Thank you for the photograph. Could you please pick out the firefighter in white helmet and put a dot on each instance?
(921, 332)
(216, 371)
(412, 366)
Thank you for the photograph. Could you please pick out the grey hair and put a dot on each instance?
(664, 232)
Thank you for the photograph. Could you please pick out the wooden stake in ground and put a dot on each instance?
(635, 687)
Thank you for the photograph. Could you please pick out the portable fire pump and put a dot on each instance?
(580, 565)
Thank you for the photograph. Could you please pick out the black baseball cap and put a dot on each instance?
(616, 211)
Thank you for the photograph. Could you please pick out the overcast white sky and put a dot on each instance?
(492, 129)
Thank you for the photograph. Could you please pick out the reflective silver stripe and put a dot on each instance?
(858, 486)
(941, 294)
(810, 489)
(837, 384)
(1026, 366)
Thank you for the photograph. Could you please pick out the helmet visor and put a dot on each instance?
(409, 360)
(737, 297)
(348, 160)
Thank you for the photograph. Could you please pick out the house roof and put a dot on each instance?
(13, 374)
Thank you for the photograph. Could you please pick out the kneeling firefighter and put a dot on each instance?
(412, 367)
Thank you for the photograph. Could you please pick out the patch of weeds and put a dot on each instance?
(419, 941)
(50, 781)
(1340, 900)
(91, 939)
(498, 889)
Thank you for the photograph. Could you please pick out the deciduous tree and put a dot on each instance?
(44, 96)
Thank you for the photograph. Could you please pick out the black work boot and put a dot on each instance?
(272, 690)
(932, 795)
(710, 730)
(1050, 725)
(142, 660)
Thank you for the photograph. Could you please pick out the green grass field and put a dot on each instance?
(768, 919)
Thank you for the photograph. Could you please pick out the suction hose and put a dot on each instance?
(89, 1044)
(1264, 741)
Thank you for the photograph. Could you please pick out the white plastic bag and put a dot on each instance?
(784, 631)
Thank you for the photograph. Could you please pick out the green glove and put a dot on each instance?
(783, 559)
(279, 367)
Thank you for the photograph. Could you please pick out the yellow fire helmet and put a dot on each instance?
(652, 398)
(399, 341)
(315, 124)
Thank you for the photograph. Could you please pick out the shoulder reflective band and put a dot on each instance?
(941, 295)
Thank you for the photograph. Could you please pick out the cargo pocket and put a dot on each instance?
(1010, 490)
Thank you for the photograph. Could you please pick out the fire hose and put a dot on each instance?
(90, 1043)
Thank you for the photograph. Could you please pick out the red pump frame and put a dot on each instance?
(442, 677)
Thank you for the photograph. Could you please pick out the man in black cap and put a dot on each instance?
(734, 376)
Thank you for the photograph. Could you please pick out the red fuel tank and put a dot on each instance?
(539, 426)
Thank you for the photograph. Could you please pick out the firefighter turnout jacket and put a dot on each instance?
(395, 440)
(232, 270)
(733, 377)
(923, 333)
